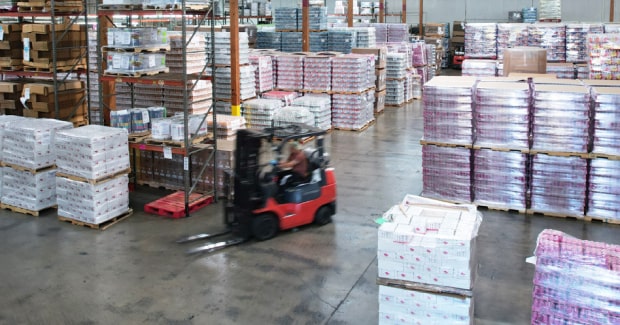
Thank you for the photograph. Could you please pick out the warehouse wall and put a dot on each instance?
(483, 10)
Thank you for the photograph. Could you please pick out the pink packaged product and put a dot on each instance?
(576, 281)
(286, 97)
(446, 173)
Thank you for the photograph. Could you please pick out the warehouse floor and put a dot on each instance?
(134, 272)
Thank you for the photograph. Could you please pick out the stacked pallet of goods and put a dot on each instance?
(92, 178)
(426, 255)
(380, 54)
(353, 86)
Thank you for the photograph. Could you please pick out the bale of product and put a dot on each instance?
(320, 106)
(92, 151)
(259, 113)
(289, 115)
(446, 173)
(576, 281)
(27, 190)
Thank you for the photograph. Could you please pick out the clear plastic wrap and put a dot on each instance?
(510, 36)
(222, 48)
(606, 116)
(128, 62)
(90, 203)
(290, 70)
(604, 189)
(195, 55)
(560, 118)
(576, 45)
(366, 37)
(576, 281)
(550, 9)
(549, 36)
(561, 70)
(381, 32)
(320, 106)
(288, 115)
(500, 179)
(286, 97)
(530, 15)
(259, 113)
(319, 41)
(481, 40)
(341, 39)
(353, 73)
(604, 52)
(397, 33)
(396, 65)
(29, 191)
(395, 92)
(446, 173)
(138, 37)
(558, 184)
(418, 54)
(318, 73)
(479, 68)
(352, 111)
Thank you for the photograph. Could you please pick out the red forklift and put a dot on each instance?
(260, 205)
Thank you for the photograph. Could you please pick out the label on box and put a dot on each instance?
(185, 163)
(152, 61)
(145, 117)
(124, 38)
(1, 33)
(26, 49)
(168, 153)
(27, 93)
(116, 61)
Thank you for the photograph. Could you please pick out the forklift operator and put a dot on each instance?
(296, 165)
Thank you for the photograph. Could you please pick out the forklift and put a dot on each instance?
(260, 204)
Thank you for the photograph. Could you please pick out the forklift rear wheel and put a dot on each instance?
(264, 226)
(323, 216)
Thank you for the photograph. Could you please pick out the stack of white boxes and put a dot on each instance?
(28, 180)
(92, 181)
(426, 249)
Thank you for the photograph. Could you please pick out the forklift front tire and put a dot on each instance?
(323, 215)
(265, 226)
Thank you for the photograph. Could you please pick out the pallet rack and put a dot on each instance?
(191, 18)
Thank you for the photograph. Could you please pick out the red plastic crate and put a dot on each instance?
(173, 205)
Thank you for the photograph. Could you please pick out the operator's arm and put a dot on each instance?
(289, 164)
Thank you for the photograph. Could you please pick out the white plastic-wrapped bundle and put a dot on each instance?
(90, 203)
(318, 73)
(195, 55)
(604, 50)
(481, 40)
(550, 9)
(30, 142)
(413, 86)
(6, 120)
(395, 92)
(510, 36)
(92, 151)
(160, 129)
(197, 124)
(396, 65)
(561, 70)
(352, 111)
(381, 32)
(576, 44)
(404, 48)
(320, 106)
(397, 33)
(290, 72)
(551, 37)
(561, 118)
(574, 281)
(222, 48)
(604, 189)
(558, 184)
(353, 73)
(500, 179)
(29, 191)
(502, 115)
(479, 68)
(611, 28)
(263, 73)
(446, 173)
(247, 83)
(606, 117)
(448, 110)
(227, 125)
(288, 115)
(259, 113)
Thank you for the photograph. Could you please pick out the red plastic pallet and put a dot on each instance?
(173, 205)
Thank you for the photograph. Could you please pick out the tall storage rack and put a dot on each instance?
(70, 14)
(191, 18)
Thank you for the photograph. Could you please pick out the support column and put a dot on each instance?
(403, 13)
(382, 11)
(234, 59)
(305, 29)
(612, 8)
(350, 13)
(421, 22)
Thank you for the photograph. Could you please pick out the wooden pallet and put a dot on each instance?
(361, 129)
(24, 211)
(11, 68)
(27, 169)
(560, 153)
(395, 106)
(445, 144)
(101, 226)
(35, 7)
(335, 92)
(173, 205)
(121, 7)
(501, 208)
(188, 6)
(502, 149)
(377, 113)
(93, 181)
(556, 214)
(137, 74)
(139, 136)
(326, 92)
(604, 156)
(154, 49)
(424, 287)
(550, 20)
(601, 219)
(50, 68)
(171, 143)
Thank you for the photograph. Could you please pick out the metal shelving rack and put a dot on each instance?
(185, 13)
(70, 19)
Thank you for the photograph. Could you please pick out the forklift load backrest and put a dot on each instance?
(314, 161)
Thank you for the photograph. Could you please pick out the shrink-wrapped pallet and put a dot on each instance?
(27, 190)
(558, 184)
(446, 173)
(259, 113)
(481, 40)
(500, 179)
(320, 106)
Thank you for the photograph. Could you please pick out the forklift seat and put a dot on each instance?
(314, 161)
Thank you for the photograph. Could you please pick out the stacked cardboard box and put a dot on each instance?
(427, 262)
(574, 280)
(320, 106)
(263, 74)
(39, 99)
(10, 93)
(92, 182)
(195, 56)
(28, 152)
(38, 41)
(11, 47)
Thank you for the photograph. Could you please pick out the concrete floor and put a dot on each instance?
(134, 273)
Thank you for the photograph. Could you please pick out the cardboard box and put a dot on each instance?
(525, 60)
(380, 54)
(42, 88)
(381, 79)
(379, 101)
(458, 39)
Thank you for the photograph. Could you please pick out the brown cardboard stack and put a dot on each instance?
(458, 34)
(11, 47)
(525, 60)
(38, 41)
(9, 98)
(39, 100)
(380, 54)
